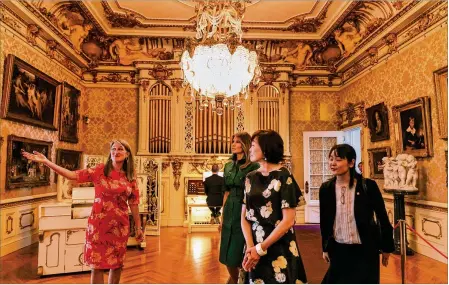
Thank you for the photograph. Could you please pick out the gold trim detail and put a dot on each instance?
(9, 221)
(439, 236)
(20, 220)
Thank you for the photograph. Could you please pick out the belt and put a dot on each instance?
(236, 193)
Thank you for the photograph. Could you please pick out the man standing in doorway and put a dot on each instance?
(213, 187)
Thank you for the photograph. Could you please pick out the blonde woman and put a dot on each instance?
(108, 225)
(232, 240)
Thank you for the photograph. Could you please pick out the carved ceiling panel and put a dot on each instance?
(320, 42)
(174, 17)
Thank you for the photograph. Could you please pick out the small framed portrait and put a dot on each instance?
(377, 116)
(70, 159)
(21, 172)
(440, 79)
(29, 95)
(68, 126)
(375, 161)
(413, 127)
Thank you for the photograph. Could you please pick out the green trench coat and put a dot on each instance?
(232, 239)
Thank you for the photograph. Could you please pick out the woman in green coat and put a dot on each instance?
(232, 240)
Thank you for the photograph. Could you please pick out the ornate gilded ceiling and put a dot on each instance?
(291, 19)
(318, 43)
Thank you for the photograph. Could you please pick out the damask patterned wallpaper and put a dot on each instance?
(13, 45)
(407, 76)
(309, 111)
(112, 115)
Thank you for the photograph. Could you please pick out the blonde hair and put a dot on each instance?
(128, 164)
(245, 139)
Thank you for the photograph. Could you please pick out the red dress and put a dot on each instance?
(108, 225)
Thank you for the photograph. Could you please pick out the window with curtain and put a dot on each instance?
(268, 108)
(160, 118)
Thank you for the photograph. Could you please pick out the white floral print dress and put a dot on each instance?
(265, 197)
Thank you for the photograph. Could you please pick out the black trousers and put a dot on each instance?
(215, 211)
(352, 264)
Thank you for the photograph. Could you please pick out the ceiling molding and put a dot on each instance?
(357, 36)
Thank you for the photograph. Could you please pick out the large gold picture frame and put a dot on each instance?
(413, 128)
(440, 80)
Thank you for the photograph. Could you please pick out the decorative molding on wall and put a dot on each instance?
(439, 235)
(28, 200)
(9, 225)
(21, 226)
(188, 139)
(177, 166)
(420, 205)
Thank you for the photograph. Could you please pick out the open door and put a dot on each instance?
(316, 168)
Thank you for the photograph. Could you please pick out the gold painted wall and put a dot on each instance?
(309, 111)
(407, 76)
(20, 48)
(113, 115)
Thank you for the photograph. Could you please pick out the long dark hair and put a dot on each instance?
(245, 139)
(345, 151)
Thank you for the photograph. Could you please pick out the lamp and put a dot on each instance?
(215, 64)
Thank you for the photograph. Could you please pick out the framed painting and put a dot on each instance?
(70, 159)
(29, 95)
(68, 123)
(21, 172)
(377, 116)
(440, 80)
(375, 161)
(413, 127)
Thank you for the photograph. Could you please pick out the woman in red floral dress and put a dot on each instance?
(108, 225)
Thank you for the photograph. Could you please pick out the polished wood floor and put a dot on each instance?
(179, 257)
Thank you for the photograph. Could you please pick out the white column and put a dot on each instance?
(144, 112)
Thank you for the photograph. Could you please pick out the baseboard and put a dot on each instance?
(175, 223)
(426, 250)
(10, 247)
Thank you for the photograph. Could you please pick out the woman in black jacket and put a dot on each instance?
(351, 238)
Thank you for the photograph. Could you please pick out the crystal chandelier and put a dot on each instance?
(221, 68)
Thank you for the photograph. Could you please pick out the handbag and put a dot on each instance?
(374, 221)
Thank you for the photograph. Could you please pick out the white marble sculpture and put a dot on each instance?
(400, 172)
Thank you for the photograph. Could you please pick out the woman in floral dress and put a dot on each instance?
(108, 225)
(268, 215)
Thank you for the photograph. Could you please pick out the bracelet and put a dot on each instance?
(260, 251)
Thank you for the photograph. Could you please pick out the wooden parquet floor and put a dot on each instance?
(178, 257)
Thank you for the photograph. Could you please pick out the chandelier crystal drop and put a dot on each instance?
(216, 65)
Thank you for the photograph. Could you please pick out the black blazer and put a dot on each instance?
(365, 204)
(214, 189)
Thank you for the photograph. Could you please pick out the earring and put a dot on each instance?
(265, 158)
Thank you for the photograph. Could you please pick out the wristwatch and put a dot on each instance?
(259, 250)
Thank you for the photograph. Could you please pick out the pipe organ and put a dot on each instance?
(268, 107)
(160, 123)
(213, 132)
(184, 136)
